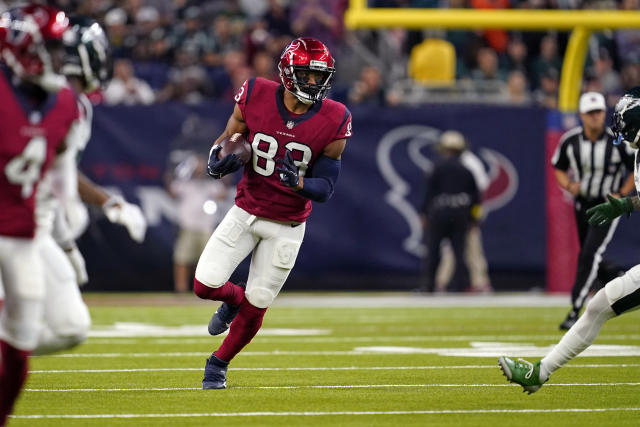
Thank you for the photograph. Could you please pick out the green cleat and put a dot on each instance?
(520, 371)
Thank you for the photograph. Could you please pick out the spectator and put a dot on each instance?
(547, 94)
(188, 85)
(234, 61)
(548, 58)
(121, 40)
(611, 84)
(191, 34)
(147, 20)
(264, 66)
(277, 19)
(160, 46)
(224, 40)
(495, 38)
(487, 66)
(319, 19)
(630, 75)
(125, 88)
(368, 90)
(628, 40)
(517, 91)
(516, 56)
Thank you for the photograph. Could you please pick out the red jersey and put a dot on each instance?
(29, 139)
(273, 130)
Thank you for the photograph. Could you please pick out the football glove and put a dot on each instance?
(118, 211)
(604, 213)
(77, 261)
(217, 168)
(288, 170)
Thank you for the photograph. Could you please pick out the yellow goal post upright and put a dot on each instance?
(581, 23)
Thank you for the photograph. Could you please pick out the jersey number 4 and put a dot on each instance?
(24, 169)
(265, 148)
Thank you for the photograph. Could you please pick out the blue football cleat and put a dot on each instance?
(222, 318)
(215, 374)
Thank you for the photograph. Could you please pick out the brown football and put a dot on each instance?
(236, 144)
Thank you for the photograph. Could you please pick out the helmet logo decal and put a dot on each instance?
(318, 65)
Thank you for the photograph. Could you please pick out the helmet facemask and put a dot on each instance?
(311, 92)
(626, 121)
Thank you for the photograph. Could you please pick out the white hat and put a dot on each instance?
(453, 140)
(592, 101)
(115, 16)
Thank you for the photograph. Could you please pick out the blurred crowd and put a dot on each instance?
(193, 50)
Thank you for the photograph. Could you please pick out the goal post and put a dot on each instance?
(581, 23)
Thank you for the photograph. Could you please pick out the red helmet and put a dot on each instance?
(304, 55)
(26, 34)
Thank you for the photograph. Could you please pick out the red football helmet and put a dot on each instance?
(305, 56)
(26, 34)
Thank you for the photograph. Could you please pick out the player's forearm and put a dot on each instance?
(320, 187)
(628, 186)
(91, 193)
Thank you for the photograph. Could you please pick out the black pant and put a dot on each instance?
(451, 224)
(592, 271)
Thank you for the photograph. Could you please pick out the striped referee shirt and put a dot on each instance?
(600, 166)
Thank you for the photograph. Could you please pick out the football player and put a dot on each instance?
(61, 220)
(620, 295)
(297, 137)
(36, 114)
(88, 67)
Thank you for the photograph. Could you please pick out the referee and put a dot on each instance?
(589, 166)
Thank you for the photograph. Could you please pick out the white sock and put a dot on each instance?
(580, 336)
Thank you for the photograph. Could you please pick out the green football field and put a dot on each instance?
(334, 359)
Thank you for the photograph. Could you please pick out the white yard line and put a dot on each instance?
(405, 300)
(319, 368)
(298, 339)
(339, 386)
(201, 354)
(328, 413)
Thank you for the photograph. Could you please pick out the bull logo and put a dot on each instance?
(503, 178)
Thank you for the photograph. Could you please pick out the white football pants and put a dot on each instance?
(64, 319)
(22, 275)
(275, 246)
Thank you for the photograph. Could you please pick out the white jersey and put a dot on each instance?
(58, 192)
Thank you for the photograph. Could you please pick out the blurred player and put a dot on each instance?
(36, 113)
(61, 219)
(297, 138)
(61, 215)
(88, 67)
(620, 295)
